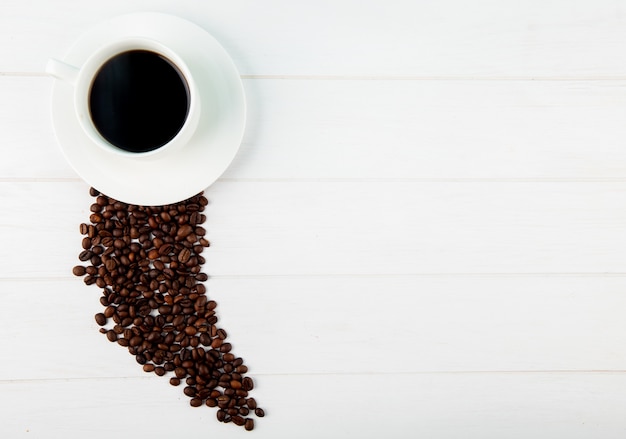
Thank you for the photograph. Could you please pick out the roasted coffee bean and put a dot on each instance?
(249, 425)
(165, 249)
(259, 412)
(86, 243)
(79, 270)
(223, 400)
(247, 384)
(184, 231)
(111, 335)
(211, 402)
(195, 402)
(148, 367)
(85, 255)
(205, 339)
(100, 319)
(184, 255)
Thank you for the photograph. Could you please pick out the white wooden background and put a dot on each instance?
(423, 235)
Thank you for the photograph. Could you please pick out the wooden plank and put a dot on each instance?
(447, 38)
(309, 228)
(343, 325)
(490, 406)
(27, 131)
(419, 130)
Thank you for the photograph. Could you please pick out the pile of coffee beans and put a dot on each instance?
(147, 260)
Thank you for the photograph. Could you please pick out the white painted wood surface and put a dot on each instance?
(423, 235)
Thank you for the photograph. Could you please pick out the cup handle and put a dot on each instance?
(61, 70)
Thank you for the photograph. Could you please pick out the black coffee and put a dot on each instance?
(139, 101)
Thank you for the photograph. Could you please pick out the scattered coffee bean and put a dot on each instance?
(111, 335)
(146, 260)
(249, 425)
(251, 402)
(195, 402)
(79, 270)
(100, 319)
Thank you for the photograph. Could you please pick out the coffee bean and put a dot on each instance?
(86, 243)
(223, 400)
(211, 402)
(174, 381)
(184, 231)
(259, 412)
(111, 335)
(136, 340)
(165, 249)
(195, 402)
(251, 402)
(148, 367)
(247, 384)
(184, 255)
(110, 265)
(100, 319)
(85, 255)
(189, 391)
(249, 425)
(79, 270)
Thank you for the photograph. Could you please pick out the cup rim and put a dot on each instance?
(86, 76)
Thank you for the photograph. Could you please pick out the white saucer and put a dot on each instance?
(177, 175)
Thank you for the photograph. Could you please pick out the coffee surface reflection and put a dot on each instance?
(139, 101)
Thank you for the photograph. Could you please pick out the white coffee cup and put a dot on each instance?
(82, 78)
